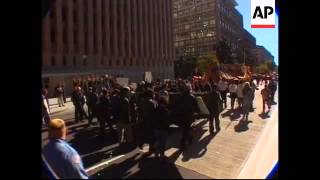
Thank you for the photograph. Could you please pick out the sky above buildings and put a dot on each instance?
(267, 37)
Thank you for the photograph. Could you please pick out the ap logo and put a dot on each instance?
(263, 13)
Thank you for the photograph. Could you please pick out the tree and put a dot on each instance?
(262, 69)
(184, 67)
(224, 53)
(203, 62)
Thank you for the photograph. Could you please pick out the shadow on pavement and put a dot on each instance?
(242, 126)
(264, 115)
(233, 114)
(198, 149)
(140, 167)
(194, 150)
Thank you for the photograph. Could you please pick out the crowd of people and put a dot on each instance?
(142, 115)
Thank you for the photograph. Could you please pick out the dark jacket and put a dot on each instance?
(92, 99)
(102, 107)
(77, 98)
(214, 103)
(115, 106)
(161, 118)
(124, 110)
(148, 111)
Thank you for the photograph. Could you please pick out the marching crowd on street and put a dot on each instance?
(142, 115)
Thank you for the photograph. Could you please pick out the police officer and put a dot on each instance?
(60, 156)
(92, 98)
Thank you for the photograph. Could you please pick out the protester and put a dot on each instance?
(240, 93)
(45, 108)
(273, 88)
(92, 99)
(265, 93)
(60, 156)
(233, 92)
(253, 88)
(188, 106)
(223, 89)
(247, 100)
(78, 101)
(103, 115)
(147, 120)
(214, 107)
(124, 126)
(161, 126)
(59, 94)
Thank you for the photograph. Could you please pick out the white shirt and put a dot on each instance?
(223, 85)
(240, 91)
(233, 88)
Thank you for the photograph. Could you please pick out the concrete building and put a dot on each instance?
(262, 55)
(116, 37)
(200, 24)
(247, 47)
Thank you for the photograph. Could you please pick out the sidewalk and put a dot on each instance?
(54, 108)
(225, 154)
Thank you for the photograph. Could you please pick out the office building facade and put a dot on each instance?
(116, 37)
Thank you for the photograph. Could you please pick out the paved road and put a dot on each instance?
(220, 156)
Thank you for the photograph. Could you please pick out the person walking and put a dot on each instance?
(103, 113)
(63, 160)
(240, 93)
(148, 107)
(214, 107)
(223, 89)
(45, 108)
(253, 88)
(188, 106)
(78, 101)
(59, 93)
(247, 100)
(233, 92)
(265, 93)
(124, 121)
(273, 88)
(92, 98)
(161, 126)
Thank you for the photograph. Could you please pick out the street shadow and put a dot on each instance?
(151, 168)
(117, 170)
(264, 115)
(242, 126)
(198, 149)
(87, 141)
(233, 114)
(140, 167)
(173, 140)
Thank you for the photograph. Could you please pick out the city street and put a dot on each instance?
(228, 154)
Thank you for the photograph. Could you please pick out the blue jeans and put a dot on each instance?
(161, 138)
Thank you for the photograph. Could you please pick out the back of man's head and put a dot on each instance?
(57, 129)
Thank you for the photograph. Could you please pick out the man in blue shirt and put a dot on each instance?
(60, 156)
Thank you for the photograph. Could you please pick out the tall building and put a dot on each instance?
(116, 37)
(263, 55)
(199, 25)
(247, 47)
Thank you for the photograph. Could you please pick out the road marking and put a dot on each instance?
(104, 163)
